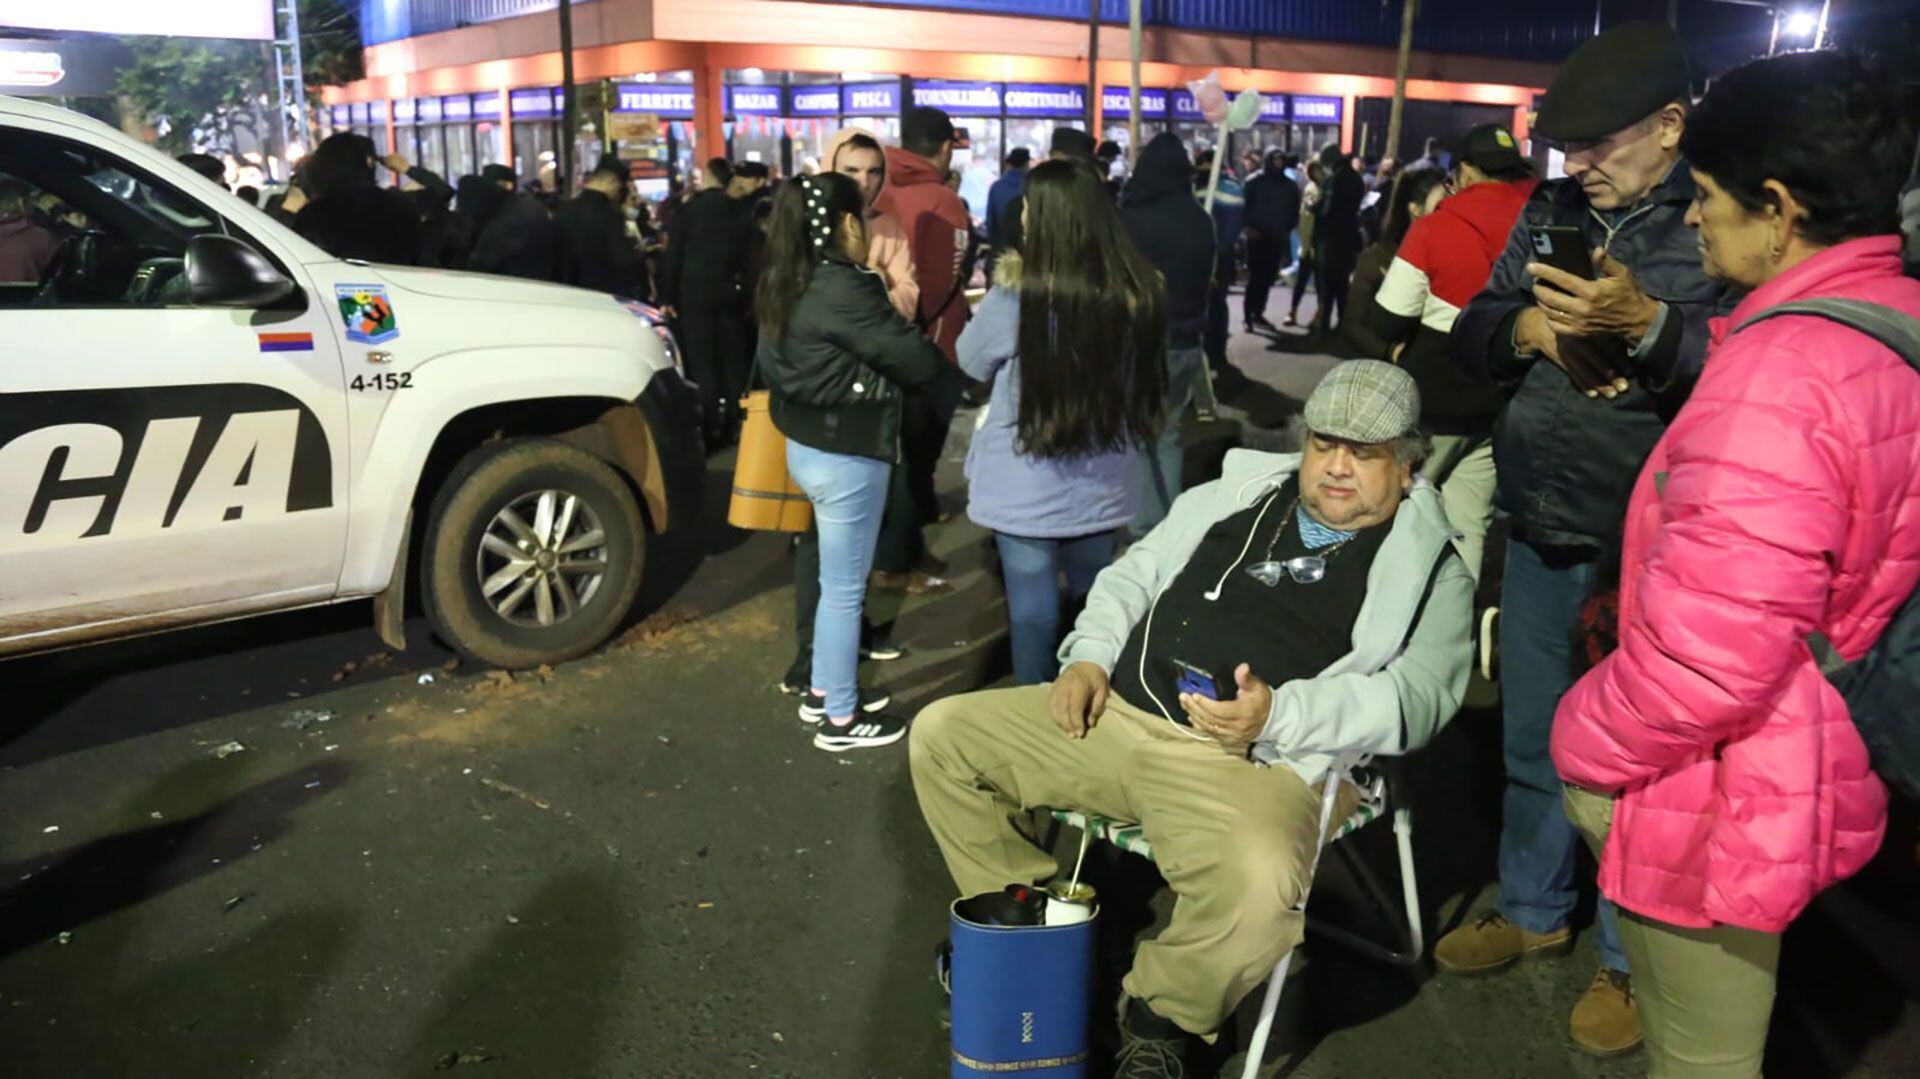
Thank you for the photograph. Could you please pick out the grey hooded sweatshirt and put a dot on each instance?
(1412, 642)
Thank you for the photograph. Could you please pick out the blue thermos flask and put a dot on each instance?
(1021, 988)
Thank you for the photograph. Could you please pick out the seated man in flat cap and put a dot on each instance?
(1322, 595)
(1591, 370)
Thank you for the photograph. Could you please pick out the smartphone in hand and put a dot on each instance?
(1201, 682)
(1563, 248)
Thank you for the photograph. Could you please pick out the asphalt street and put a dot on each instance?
(274, 848)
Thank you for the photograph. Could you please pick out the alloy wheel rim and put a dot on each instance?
(542, 558)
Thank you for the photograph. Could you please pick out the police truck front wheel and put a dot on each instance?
(533, 554)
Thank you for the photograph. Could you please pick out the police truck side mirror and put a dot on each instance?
(223, 272)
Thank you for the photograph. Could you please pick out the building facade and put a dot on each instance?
(458, 84)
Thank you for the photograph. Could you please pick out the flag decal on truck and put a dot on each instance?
(285, 342)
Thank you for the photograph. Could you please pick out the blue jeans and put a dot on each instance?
(1540, 600)
(1159, 478)
(1032, 568)
(848, 495)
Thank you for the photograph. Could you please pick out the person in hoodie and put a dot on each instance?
(939, 240)
(346, 214)
(1273, 212)
(1073, 337)
(1707, 761)
(520, 238)
(937, 226)
(855, 154)
(1441, 265)
(1174, 234)
(1336, 234)
(838, 359)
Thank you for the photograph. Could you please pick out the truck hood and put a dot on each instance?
(490, 288)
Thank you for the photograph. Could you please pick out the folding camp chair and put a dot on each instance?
(1373, 785)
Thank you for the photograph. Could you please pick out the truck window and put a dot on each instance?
(117, 235)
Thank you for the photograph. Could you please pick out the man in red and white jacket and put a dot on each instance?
(1442, 264)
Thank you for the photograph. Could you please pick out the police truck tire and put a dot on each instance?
(533, 554)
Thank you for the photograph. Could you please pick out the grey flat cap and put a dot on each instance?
(1365, 401)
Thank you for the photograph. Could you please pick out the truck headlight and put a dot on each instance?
(657, 319)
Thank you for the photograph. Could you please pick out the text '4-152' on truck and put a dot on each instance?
(204, 416)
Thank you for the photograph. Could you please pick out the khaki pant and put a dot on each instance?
(1234, 840)
(1705, 995)
(1462, 467)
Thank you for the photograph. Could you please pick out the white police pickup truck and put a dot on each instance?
(204, 416)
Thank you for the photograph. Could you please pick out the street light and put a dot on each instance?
(1801, 24)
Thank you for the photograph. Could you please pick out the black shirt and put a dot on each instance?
(1285, 632)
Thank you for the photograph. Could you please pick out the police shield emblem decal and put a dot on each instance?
(366, 313)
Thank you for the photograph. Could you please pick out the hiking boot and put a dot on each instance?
(1490, 943)
(865, 732)
(1606, 1021)
(813, 707)
(1152, 1047)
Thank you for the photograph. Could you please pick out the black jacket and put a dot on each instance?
(518, 240)
(595, 251)
(1567, 461)
(1169, 227)
(1336, 224)
(377, 224)
(839, 374)
(710, 251)
(1273, 205)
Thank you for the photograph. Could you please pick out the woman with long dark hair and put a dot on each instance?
(837, 358)
(1073, 337)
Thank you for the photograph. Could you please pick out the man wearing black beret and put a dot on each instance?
(1592, 370)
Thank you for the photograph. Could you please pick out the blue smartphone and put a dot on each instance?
(1198, 681)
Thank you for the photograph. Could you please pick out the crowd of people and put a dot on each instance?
(1693, 489)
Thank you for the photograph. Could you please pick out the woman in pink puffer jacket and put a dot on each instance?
(1708, 753)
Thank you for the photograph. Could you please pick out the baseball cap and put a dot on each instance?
(1364, 401)
(926, 126)
(1071, 142)
(1489, 148)
(497, 172)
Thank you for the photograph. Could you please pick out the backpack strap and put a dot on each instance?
(1897, 330)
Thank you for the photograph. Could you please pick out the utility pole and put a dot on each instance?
(1407, 9)
(290, 86)
(1093, 69)
(1133, 90)
(569, 113)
